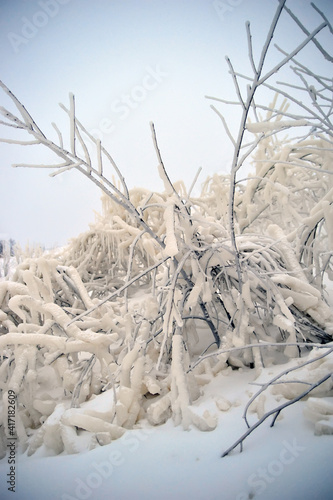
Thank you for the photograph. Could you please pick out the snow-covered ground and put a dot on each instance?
(284, 462)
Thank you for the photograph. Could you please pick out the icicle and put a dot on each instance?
(79, 286)
(246, 295)
(12, 288)
(180, 399)
(171, 247)
(275, 125)
(126, 366)
(32, 284)
(159, 411)
(21, 366)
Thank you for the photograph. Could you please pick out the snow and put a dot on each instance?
(164, 462)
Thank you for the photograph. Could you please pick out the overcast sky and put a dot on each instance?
(128, 63)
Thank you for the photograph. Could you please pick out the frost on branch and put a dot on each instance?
(135, 316)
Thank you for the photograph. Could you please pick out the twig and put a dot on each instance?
(277, 377)
(276, 411)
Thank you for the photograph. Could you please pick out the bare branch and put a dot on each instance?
(30, 123)
(303, 28)
(72, 122)
(61, 142)
(280, 375)
(291, 55)
(276, 411)
(163, 173)
(225, 125)
(250, 48)
(234, 78)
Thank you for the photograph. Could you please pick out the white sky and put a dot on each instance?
(128, 63)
